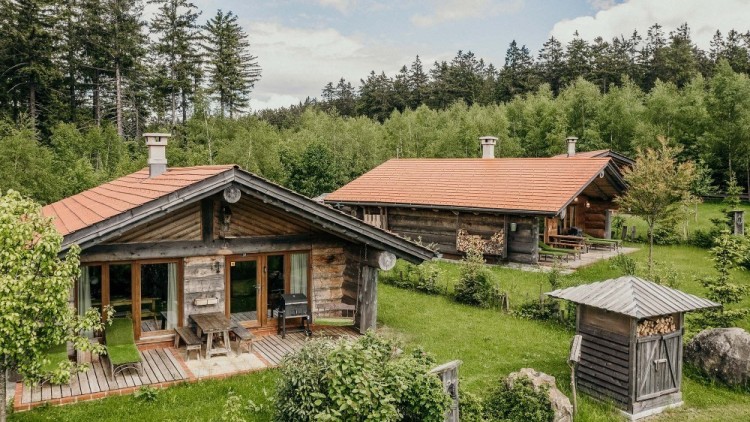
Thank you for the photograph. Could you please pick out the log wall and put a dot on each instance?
(183, 224)
(250, 217)
(523, 244)
(439, 227)
(202, 281)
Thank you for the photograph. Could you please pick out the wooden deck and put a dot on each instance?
(164, 366)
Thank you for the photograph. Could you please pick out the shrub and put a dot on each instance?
(362, 380)
(534, 309)
(147, 394)
(470, 407)
(233, 411)
(518, 402)
(423, 277)
(625, 264)
(476, 286)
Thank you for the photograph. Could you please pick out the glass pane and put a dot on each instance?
(275, 276)
(298, 276)
(243, 292)
(120, 290)
(90, 290)
(158, 296)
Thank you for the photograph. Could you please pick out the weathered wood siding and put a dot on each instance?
(183, 224)
(603, 370)
(202, 281)
(595, 218)
(523, 244)
(440, 226)
(250, 217)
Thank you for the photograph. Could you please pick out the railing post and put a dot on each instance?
(448, 373)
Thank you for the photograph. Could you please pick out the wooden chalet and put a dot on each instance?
(163, 243)
(506, 205)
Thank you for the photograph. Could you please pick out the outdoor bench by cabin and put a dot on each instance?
(549, 251)
(244, 338)
(593, 242)
(121, 349)
(191, 340)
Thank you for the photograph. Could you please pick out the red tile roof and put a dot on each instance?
(126, 193)
(542, 185)
(586, 154)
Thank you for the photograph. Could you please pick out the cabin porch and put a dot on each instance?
(163, 366)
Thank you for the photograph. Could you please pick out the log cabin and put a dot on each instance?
(163, 243)
(503, 205)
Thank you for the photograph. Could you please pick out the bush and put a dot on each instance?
(544, 311)
(470, 407)
(362, 380)
(625, 264)
(476, 286)
(518, 402)
(423, 277)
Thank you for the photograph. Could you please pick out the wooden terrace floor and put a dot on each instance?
(164, 366)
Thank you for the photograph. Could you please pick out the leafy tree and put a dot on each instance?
(24, 163)
(233, 71)
(35, 284)
(313, 172)
(657, 186)
(377, 98)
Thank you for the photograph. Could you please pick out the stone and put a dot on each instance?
(560, 403)
(722, 354)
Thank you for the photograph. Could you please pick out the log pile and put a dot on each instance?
(658, 326)
(493, 246)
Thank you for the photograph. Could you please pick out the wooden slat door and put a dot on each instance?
(659, 368)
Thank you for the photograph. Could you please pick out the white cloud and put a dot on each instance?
(602, 4)
(298, 62)
(703, 17)
(453, 10)
(342, 6)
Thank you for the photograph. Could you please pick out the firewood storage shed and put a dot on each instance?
(631, 350)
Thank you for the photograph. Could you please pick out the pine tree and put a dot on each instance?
(578, 60)
(233, 71)
(418, 84)
(177, 38)
(517, 75)
(552, 63)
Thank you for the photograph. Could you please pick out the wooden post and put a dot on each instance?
(738, 222)
(607, 224)
(624, 233)
(632, 234)
(367, 300)
(448, 373)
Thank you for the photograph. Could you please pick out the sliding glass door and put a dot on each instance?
(158, 297)
(243, 288)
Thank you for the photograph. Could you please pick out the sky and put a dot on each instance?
(303, 44)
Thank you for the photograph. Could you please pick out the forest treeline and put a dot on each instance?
(82, 79)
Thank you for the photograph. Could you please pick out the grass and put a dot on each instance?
(201, 401)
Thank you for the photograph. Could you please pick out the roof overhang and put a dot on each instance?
(444, 207)
(610, 172)
(322, 216)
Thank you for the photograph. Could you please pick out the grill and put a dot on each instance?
(294, 306)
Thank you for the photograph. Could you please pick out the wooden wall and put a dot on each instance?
(250, 217)
(202, 281)
(183, 224)
(440, 226)
(595, 218)
(523, 244)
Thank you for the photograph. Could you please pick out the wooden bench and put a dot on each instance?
(191, 340)
(244, 338)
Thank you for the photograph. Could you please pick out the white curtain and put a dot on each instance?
(84, 294)
(172, 300)
(299, 273)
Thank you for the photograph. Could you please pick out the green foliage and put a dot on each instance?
(729, 251)
(147, 394)
(233, 411)
(471, 407)
(624, 263)
(362, 380)
(422, 277)
(518, 402)
(35, 285)
(475, 285)
(540, 310)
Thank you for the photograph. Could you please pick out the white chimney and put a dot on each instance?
(157, 152)
(571, 145)
(488, 146)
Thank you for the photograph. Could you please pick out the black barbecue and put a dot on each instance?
(294, 306)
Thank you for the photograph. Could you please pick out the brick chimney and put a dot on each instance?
(571, 140)
(157, 152)
(488, 146)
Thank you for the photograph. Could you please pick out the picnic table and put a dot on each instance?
(568, 241)
(213, 323)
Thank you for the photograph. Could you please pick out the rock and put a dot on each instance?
(560, 402)
(722, 354)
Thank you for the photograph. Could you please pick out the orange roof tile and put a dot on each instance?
(126, 193)
(542, 185)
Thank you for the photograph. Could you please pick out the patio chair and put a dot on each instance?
(546, 250)
(121, 349)
(597, 241)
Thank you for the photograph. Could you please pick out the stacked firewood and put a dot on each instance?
(652, 327)
(466, 242)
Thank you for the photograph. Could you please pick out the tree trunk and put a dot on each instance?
(650, 250)
(3, 393)
(184, 107)
(96, 111)
(118, 98)
(32, 102)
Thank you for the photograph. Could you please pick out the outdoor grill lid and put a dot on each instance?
(288, 299)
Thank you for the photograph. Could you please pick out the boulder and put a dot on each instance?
(722, 354)
(559, 401)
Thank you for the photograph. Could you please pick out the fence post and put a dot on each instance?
(738, 222)
(448, 373)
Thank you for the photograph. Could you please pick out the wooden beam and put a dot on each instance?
(181, 249)
(207, 219)
(367, 301)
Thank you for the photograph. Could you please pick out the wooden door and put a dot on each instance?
(244, 291)
(658, 365)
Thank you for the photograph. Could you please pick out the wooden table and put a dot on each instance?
(568, 241)
(213, 323)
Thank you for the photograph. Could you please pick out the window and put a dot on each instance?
(121, 290)
(298, 276)
(90, 290)
(158, 296)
